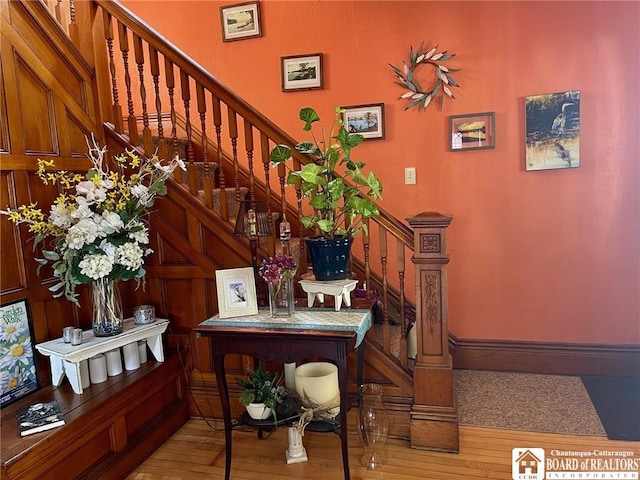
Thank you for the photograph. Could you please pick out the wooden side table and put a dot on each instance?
(65, 358)
(308, 333)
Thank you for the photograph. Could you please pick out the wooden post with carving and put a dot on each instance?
(434, 415)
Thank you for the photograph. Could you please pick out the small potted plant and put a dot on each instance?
(263, 393)
(339, 193)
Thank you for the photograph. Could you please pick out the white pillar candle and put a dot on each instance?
(98, 369)
(142, 350)
(131, 356)
(85, 379)
(290, 375)
(317, 383)
(114, 362)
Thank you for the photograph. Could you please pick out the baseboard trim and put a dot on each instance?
(546, 358)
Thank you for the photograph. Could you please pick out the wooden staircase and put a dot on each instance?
(136, 90)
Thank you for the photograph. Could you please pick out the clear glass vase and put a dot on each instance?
(281, 297)
(107, 308)
(374, 426)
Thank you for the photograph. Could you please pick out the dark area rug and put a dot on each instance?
(617, 402)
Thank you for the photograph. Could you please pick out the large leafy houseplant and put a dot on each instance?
(338, 191)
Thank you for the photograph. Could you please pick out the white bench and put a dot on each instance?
(65, 358)
(339, 289)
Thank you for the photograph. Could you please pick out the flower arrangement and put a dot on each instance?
(274, 269)
(96, 227)
(262, 386)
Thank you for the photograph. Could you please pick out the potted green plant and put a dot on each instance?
(263, 392)
(339, 193)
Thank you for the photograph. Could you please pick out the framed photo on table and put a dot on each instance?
(367, 120)
(301, 72)
(240, 21)
(18, 368)
(474, 131)
(236, 289)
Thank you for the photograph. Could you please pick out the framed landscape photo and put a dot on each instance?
(367, 120)
(236, 289)
(301, 72)
(18, 369)
(240, 21)
(474, 131)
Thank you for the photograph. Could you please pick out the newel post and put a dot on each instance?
(434, 415)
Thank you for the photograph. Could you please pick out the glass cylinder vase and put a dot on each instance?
(107, 308)
(374, 426)
(281, 297)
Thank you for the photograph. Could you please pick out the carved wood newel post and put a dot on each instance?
(434, 415)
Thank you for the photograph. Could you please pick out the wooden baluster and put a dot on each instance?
(147, 139)
(58, 12)
(207, 185)
(73, 24)
(186, 99)
(366, 248)
(266, 162)
(116, 108)
(171, 85)
(155, 74)
(132, 124)
(401, 307)
(386, 333)
(233, 135)
(248, 145)
(222, 184)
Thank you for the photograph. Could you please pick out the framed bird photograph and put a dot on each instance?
(552, 125)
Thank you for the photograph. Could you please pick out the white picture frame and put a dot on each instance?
(236, 288)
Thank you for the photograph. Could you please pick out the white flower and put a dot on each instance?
(82, 233)
(83, 211)
(109, 249)
(138, 232)
(130, 255)
(89, 193)
(60, 216)
(139, 191)
(110, 223)
(96, 266)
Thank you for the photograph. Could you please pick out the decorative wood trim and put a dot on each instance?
(545, 357)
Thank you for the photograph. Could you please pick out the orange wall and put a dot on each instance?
(549, 255)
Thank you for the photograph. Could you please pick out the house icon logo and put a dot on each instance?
(527, 463)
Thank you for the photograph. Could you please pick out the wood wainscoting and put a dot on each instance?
(545, 358)
(109, 430)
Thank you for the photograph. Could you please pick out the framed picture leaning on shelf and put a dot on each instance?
(18, 369)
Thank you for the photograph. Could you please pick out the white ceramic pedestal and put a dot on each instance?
(296, 453)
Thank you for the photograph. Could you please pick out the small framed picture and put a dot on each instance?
(18, 368)
(240, 21)
(472, 132)
(367, 120)
(236, 289)
(302, 72)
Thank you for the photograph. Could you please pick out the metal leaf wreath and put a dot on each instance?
(417, 95)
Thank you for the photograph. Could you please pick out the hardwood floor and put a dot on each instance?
(197, 451)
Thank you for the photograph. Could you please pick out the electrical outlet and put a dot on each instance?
(410, 176)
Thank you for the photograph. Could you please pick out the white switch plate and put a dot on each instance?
(410, 176)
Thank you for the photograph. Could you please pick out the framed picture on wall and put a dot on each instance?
(236, 288)
(367, 120)
(474, 131)
(18, 369)
(301, 72)
(552, 125)
(240, 21)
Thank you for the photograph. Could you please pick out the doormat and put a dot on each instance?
(617, 402)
